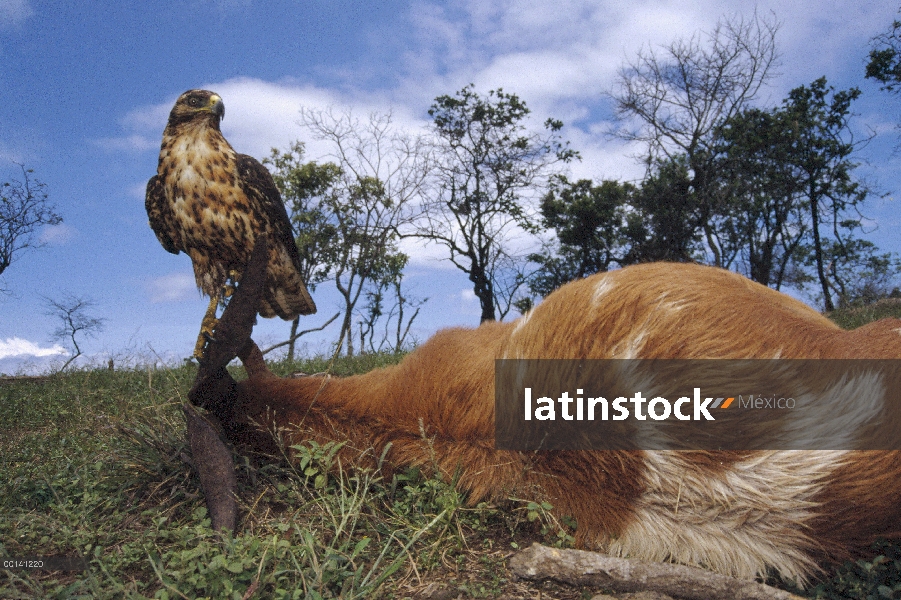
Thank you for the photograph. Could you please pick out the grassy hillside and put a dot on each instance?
(94, 463)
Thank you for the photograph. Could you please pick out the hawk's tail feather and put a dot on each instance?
(285, 294)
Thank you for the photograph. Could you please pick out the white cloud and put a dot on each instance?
(57, 235)
(562, 57)
(137, 190)
(468, 303)
(174, 287)
(19, 347)
(425, 255)
(603, 158)
(149, 118)
(820, 42)
(259, 115)
(543, 52)
(14, 12)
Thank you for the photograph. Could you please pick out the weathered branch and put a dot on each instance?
(215, 467)
(214, 390)
(578, 567)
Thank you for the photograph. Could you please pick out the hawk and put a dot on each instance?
(211, 203)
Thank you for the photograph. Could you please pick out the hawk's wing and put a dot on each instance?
(258, 186)
(257, 183)
(162, 220)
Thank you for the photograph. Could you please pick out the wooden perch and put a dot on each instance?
(213, 461)
(215, 390)
(578, 567)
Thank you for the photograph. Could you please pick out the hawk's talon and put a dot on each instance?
(207, 326)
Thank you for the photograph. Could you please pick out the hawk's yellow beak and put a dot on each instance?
(217, 107)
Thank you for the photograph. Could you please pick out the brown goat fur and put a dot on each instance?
(734, 512)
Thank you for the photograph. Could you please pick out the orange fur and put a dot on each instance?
(734, 512)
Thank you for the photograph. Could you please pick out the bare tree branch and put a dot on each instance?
(297, 335)
(74, 320)
(383, 173)
(24, 207)
(674, 98)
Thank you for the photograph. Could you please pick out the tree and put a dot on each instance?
(366, 247)
(620, 223)
(662, 219)
(74, 321)
(673, 101)
(304, 187)
(791, 202)
(382, 173)
(488, 167)
(395, 329)
(763, 220)
(24, 207)
(822, 146)
(885, 59)
(858, 274)
(588, 221)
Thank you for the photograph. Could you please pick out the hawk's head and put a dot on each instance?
(197, 105)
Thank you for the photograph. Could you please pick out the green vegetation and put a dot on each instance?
(876, 579)
(855, 316)
(95, 464)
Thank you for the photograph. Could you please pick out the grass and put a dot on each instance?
(853, 317)
(94, 463)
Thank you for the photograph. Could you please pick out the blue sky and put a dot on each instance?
(85, 89)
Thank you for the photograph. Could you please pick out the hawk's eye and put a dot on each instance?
(193, 101)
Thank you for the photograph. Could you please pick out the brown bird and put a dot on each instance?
(211, 203)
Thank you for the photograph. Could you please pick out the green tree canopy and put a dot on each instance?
(665, 217)
(885, 59)
(588, 221)
(821, 159)
(488, 163)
